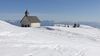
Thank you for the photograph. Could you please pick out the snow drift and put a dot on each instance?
(49, 41)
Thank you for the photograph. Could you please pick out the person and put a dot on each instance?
(75, 25)
(78, 25)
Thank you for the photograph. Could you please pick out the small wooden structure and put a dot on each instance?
(30, 21)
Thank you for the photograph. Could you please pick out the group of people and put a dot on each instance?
(75, 25)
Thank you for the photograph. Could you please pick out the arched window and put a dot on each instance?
(25, 25)
(22, 25)
(28, 25)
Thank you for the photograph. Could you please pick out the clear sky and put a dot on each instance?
(58, 10)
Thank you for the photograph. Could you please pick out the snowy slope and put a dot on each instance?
(49, 41)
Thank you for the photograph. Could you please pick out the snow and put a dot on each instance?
(49, 41)
(85, 26)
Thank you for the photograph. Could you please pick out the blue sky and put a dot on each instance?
(58, 10)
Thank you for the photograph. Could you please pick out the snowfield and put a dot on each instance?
(49, 41)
